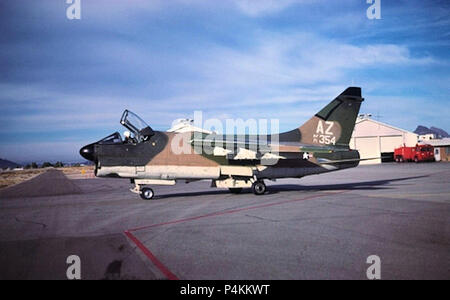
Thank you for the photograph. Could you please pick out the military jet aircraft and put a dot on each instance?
(148, 157)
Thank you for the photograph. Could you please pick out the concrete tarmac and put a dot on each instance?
(318, 227)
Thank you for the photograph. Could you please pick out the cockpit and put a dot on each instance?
(140, 130)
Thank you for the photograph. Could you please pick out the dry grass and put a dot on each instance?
(77, 170)
(9, 178)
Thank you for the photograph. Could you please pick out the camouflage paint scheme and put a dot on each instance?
(320, 145)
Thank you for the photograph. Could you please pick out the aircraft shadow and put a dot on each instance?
(365, 185)
(276, 188)
(193, 194)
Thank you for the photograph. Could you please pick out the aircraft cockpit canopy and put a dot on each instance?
(136, 125)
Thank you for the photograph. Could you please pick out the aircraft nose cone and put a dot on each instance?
(88, 152)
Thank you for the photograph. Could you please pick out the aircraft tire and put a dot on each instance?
(258, 187)
(147, 193)
(235, 190)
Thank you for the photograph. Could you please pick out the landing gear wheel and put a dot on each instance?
(235, 190)
(258, 188)
(147, 193)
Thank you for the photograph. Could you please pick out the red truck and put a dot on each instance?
(418, 153)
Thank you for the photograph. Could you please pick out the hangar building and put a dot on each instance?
(376, 139)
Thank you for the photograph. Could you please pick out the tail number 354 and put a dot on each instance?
(323, 134)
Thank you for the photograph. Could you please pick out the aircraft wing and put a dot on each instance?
(253, 149)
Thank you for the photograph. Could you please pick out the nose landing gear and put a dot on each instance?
(146, 193)
(141, 186)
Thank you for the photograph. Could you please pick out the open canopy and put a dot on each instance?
(136, 125)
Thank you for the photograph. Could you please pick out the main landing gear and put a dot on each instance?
(258, 187)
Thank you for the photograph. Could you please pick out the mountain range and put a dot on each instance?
(8, 164)
(440, 133)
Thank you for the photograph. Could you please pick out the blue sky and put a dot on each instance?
(64, 83)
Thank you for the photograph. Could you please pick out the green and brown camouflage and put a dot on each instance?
(231, 161)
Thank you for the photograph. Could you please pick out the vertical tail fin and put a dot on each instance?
(333, 125)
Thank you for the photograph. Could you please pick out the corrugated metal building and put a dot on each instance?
(441, 149)
(376, 139)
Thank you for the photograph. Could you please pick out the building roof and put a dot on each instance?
(360, 120)
(439, 142)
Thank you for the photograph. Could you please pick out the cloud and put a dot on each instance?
(276, 60)
(256, 8)
(276, 71)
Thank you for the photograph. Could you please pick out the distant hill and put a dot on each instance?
(440, 133)
(8, 164)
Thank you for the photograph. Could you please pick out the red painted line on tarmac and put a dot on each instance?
(163, 268)
(152, 257)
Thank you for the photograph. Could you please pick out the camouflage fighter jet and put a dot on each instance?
(229, 161)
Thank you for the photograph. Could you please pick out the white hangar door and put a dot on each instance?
(389, 143)
(387, 146)
(368, 147)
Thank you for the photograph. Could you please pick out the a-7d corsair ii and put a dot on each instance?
(149, 157)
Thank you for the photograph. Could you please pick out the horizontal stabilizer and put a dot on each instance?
(328, 161)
